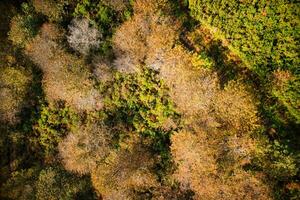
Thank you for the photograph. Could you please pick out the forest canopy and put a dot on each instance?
(149, 99)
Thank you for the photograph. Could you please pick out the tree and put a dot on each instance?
(51, 125)
(83, 37)
(65, 76)
(54, 183)
(124, 171)
(81, 151)
(53, 9)
(14, 82)
(24, 26)
(200, 167)
(236, 109)
(143, 38)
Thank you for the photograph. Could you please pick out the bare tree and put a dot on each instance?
(83, 37)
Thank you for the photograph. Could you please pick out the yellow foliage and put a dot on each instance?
(198, 158)
(235, 108)
(124, 171)
(14, 83)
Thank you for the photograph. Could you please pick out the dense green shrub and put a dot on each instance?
(277, 160)
(98, 13)
(289, 96)
(264, 34)
(141, 100)
(52, 124)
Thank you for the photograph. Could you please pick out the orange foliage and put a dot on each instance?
(235, 108)
(198, 159)
(145, 37)
(124, 171)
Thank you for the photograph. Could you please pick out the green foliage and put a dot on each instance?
(203, 60)
(24, 26)
(277, 161)
(105, 17)
(50, 183)
(52, 124)
(264, 34)
(289, 96)
(20, 185)
(165, 164)
(56, 184)
(99, 14)
(140, 100)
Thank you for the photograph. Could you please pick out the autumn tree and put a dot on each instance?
(65, 76)
(200, 167)
(143, 38)
(14, 82)
(82, 150)
(82, 36)
(124, 171)
(53, 9)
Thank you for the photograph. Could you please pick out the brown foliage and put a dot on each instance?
(124, 171)
(192, 90)
(65, 76)
(50, 8)
(82, 150)
(102, 70)
(197, 94)
(118, 5)
(194, 157)
(280, 79)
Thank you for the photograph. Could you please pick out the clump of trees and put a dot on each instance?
(136, 100)
(255, 31)
(65, 76)
(262, 37)
(213, 169)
